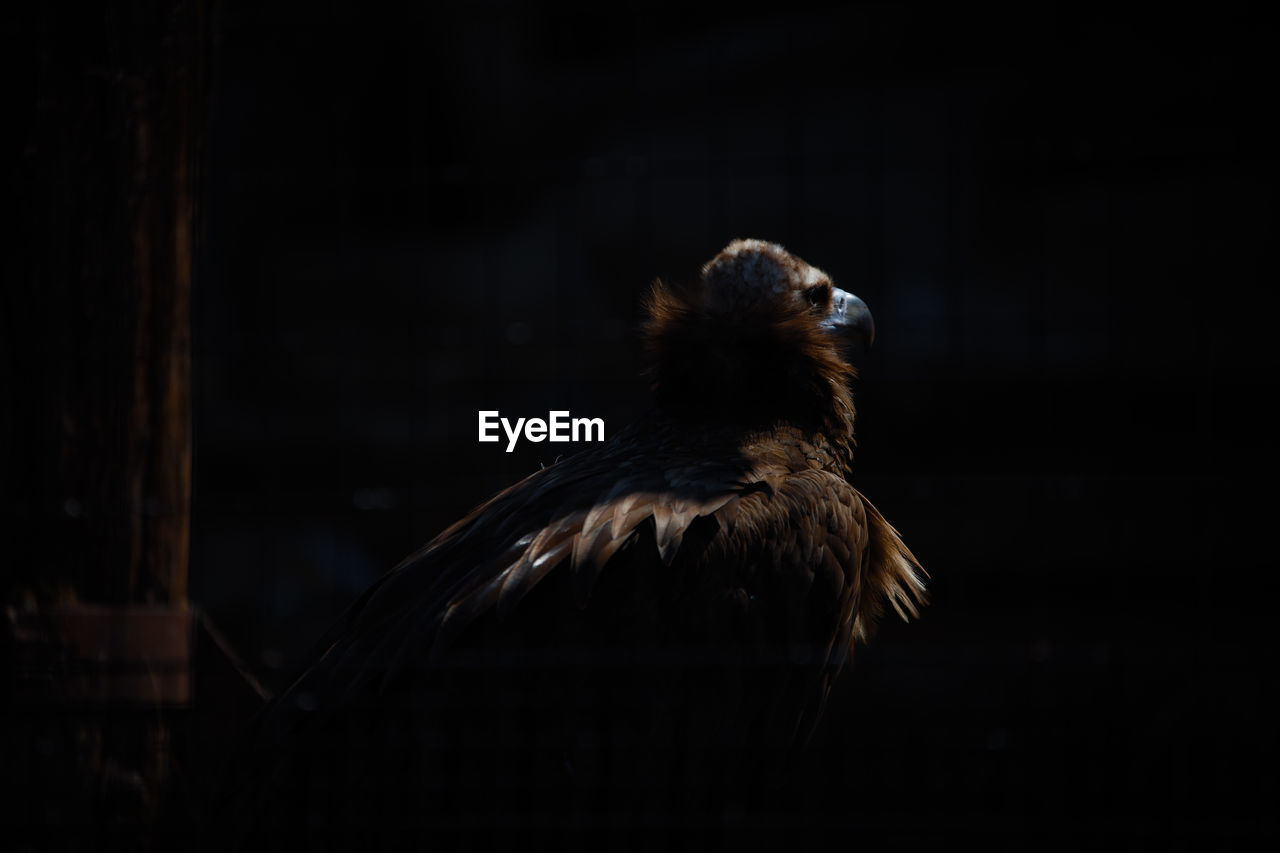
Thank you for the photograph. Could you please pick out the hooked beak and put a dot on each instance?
(850, 318)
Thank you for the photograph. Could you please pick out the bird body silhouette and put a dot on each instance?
(628, 637)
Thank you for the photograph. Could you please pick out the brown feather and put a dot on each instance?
(709, 568)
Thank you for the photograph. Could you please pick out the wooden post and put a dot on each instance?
(95, 316)
(95, 424)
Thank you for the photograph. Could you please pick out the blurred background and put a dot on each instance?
(379, 222)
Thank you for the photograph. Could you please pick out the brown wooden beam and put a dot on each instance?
(95, 314)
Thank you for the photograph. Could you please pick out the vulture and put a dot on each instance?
(628, 640)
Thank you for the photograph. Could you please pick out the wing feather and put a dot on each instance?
(792, 553)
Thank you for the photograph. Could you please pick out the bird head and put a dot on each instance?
(752, 277)
(760, 337)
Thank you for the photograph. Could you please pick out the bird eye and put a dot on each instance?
(819, 295)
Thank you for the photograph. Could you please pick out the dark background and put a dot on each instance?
(1059, 220)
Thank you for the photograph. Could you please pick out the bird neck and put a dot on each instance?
(751, 372)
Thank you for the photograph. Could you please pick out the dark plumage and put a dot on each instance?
(625, 636)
